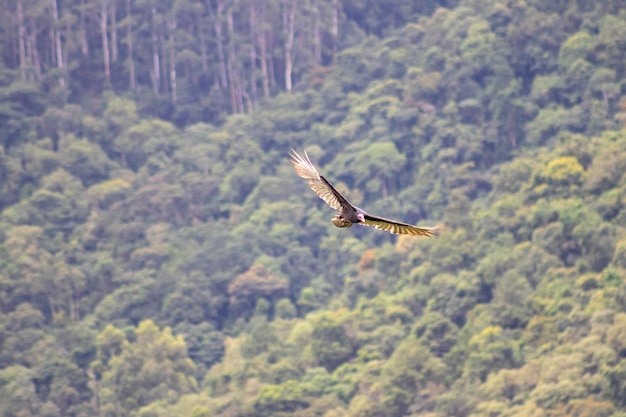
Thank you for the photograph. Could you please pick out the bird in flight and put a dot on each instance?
(349, 214)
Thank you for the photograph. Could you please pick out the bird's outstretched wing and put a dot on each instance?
(324, 190)
(399, 228)
(305, 169)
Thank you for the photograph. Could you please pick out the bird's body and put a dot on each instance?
(349, 214)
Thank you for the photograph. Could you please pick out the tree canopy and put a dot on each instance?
(159, 257)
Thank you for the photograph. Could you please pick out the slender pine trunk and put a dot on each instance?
(289, 17)
(264, 56)
(21, 38)
(84, 43)
(58, 47)
(105, 41)
(156, 65)
(335, 27)
(171, 26)
(129, 41)
(114, 52)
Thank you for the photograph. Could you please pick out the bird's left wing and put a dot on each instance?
(399, 228)
(324, 190)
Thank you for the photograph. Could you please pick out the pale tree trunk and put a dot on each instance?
(171, 26)
(164, 62)
(105, 41)
(156, 65)
(335, 27)
(253, 91)
(114, 52)
(230, 71)
(216, 16)
(248, 100)
(263, 48)
(30, 53)
(289, 17)
(21, 38)
(68, 29)
(50, 52)
(57, 41)
(129, 41)
(270, 66)
(232, 88)
(84, 44)
(253, 31)
(31, 42)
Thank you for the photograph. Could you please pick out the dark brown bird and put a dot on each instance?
(349, 214)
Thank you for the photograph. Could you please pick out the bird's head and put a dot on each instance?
(360, 217)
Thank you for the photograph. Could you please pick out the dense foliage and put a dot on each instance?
(153, 264)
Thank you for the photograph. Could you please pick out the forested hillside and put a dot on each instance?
(159, 256)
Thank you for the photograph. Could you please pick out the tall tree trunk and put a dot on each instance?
(263, 48)
(105, 41)
(253, 91)
(57, 42)
(31, 43)
(270, 62)
(84, 44)
(21, 38)
(129, 42)
(335, 27)
(164, 62)
(156, 65)
(68, 29)
(114, 52)
(253, 30)
(289, 17)
(216, 16)
(30, 54)
(248, 101)
(50, 51)
(234, 84)
(171, 26)
(229, 69)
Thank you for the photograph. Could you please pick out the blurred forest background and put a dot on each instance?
(159, 257)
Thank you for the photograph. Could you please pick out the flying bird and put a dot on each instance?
(349, 214)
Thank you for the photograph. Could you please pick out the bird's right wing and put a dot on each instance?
(324, 190)
(399, 228)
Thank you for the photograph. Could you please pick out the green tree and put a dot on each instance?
(331, 343)
(489, 351)
(131, 375)
(18, 394)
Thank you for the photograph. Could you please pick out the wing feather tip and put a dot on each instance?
(434, 231)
